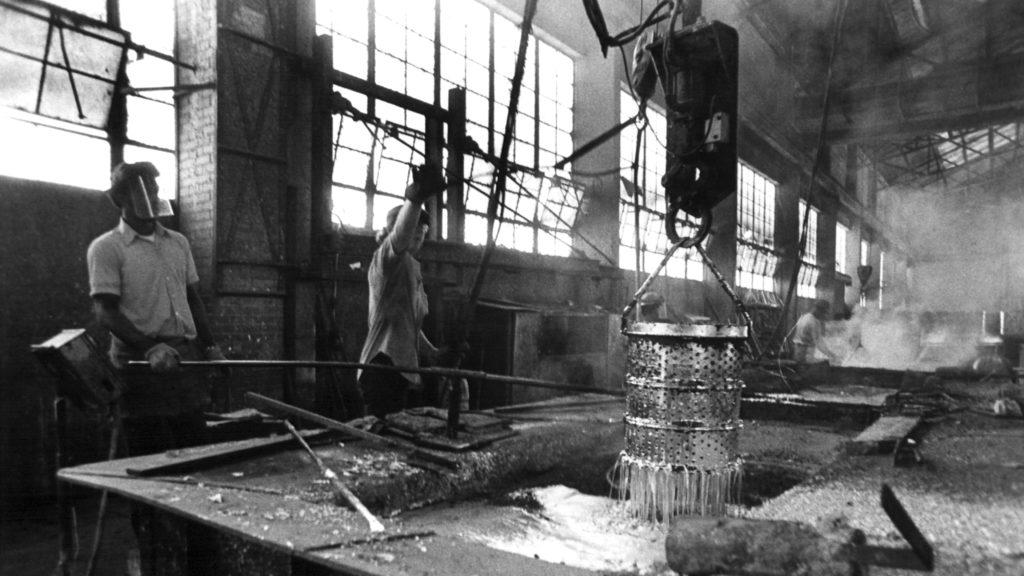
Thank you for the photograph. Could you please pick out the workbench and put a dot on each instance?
(271, 512)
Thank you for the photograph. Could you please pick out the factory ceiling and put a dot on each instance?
(931, 90)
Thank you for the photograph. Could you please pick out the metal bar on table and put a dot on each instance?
(264, 402)
(375, 525)
(451, 372)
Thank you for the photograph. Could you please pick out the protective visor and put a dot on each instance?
(144, 205)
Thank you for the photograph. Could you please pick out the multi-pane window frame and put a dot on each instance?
(31, 141)
(654, 243)
(810, 272)
(842, 239)
(475, 58)
(756, 257)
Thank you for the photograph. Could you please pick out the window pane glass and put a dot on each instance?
(381, 205)
(476, 229)
(755, 230)
(151, 122)
(841, 234)
(349, 206)
(351, 57)
(350, 167)
(151, 23)
(28, 150)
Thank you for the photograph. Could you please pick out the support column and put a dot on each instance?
(245, 178)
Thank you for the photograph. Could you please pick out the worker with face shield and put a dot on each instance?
(144, 288)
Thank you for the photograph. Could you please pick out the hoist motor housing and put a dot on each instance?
(698, 74)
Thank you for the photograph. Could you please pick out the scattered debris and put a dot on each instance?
(1007, 408)
(907, 453)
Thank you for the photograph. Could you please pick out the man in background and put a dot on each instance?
(809, 335)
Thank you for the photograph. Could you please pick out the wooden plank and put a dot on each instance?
(883, 434)
(190, 459)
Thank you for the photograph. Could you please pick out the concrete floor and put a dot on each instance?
(29, 539)
(967, 496)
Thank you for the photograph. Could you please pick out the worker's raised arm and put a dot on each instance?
(427, 182)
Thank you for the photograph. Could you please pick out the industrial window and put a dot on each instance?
(881, 279)
(842, 232)
(865, 258)
(477, 51)
(809, 270)
(755, 238)
(652, 204)
(63, 122)
(152, 133)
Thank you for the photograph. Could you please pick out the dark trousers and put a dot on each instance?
(165, 410)
(385, 391)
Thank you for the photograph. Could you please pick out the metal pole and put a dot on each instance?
(452, 372)
(65, 512)
(352, 499)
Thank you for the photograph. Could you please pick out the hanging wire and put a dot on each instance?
(637, 193)
(819, 154)
(497, 197)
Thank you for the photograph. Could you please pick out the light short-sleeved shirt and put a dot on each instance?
(397, 307)
(150, 275)
(806, 337)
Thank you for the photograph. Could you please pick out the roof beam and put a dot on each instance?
(954, 97)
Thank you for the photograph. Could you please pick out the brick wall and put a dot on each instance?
(197, 132)
(244, 162)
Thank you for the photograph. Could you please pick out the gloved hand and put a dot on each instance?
(427, 181)
(214, 354)
(162, 357)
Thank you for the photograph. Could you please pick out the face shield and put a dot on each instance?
(146, 205)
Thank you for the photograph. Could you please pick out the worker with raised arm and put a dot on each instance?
(398, 302)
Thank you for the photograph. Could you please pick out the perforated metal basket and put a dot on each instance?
(683, 403)
(683, 394)
(708, 353)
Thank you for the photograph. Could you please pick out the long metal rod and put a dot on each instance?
(375, 524)
(271, 404)
(597, 141)
(451, 372)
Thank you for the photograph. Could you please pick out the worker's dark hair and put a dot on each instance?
(123, 174)
(393, 217)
